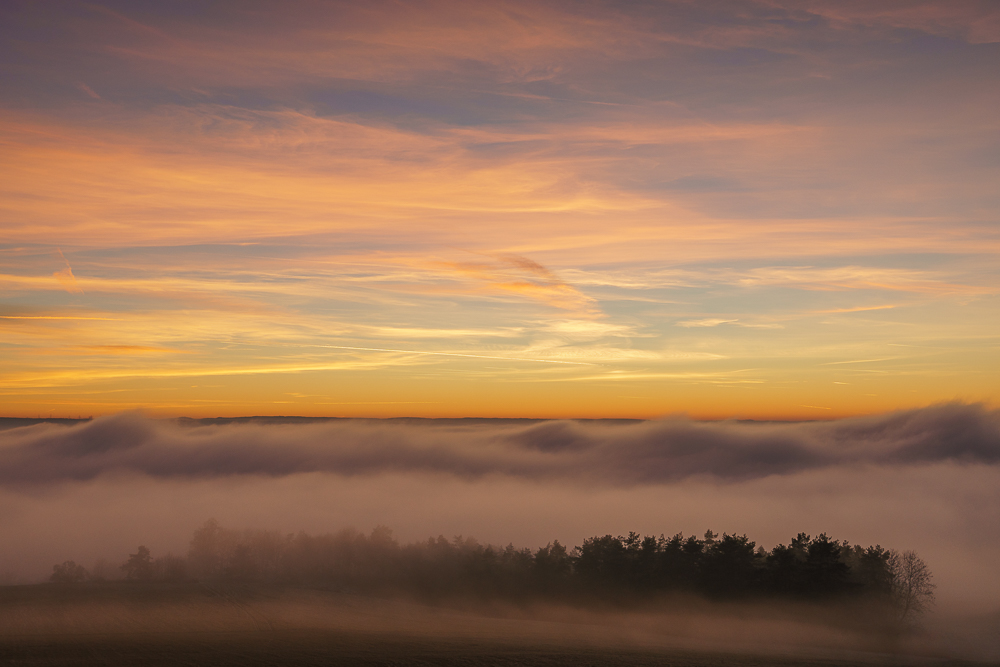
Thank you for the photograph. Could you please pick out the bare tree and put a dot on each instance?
(911, 588)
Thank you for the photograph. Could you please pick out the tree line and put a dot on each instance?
(610, 568)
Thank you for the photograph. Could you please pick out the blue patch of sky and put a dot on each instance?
(412, 106)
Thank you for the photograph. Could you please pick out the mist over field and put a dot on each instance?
(926, 480)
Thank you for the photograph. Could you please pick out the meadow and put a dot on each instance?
(136, 623)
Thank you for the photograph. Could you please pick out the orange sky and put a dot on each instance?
(757, 209)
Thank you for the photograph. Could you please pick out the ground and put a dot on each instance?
(194, 624)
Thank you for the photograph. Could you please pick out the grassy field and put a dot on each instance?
(191, 624)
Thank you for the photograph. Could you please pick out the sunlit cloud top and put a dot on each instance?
(751, 208)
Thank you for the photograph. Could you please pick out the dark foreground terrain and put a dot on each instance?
(192, 624)
(331, 648)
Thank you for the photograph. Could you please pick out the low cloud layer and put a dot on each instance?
(612, 454)
(927, 480)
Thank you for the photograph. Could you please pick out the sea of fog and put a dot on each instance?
(926, 480)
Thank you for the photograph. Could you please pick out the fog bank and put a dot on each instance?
(926, 480)
(652, 452)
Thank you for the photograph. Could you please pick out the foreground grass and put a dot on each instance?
(192, 624)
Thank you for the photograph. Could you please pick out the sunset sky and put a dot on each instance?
(739, 208)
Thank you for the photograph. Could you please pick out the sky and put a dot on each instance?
(757, 209)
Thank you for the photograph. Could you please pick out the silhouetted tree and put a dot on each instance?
(809, 567)
(601, 562)
(68, 573)
(139, 566)
(825, 573)
(679, 561)
(911, 589)
(552, 568)
(240, 566)
(204, 552)
(869, 568)
(728, 566)
(623, 569)
(784, 571)
(170, 568)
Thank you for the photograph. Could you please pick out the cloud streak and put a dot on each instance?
(643, 453)
(65, 276)
(526, 278)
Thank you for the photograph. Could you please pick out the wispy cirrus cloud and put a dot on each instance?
(860, 277)
(526, 278)
(104, 350)
(707, 322)
(65, 276)
(974, 20)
